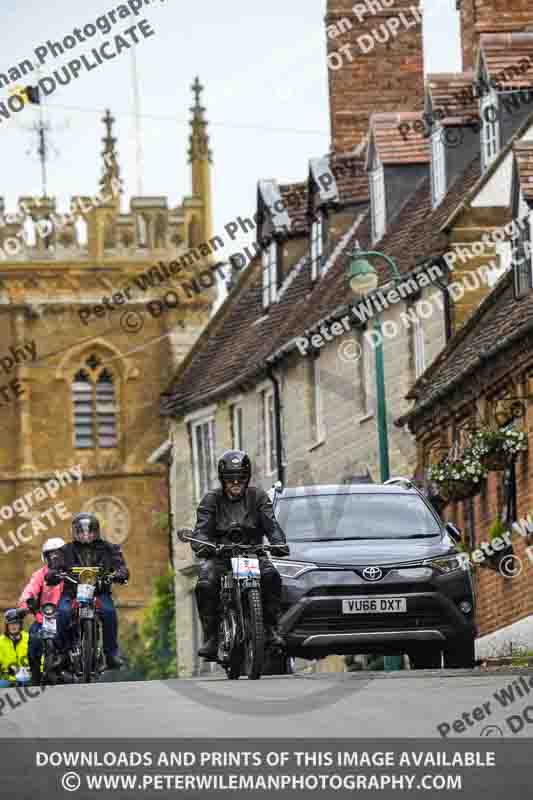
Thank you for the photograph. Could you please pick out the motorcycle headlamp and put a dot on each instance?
(48, 609)
(292, 569)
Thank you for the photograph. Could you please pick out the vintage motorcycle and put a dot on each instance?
(85, 656)
(241, 638)
(50, 674)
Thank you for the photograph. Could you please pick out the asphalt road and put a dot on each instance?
(401, 704)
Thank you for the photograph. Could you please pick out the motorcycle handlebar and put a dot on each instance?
(220, 547)
(107, 576)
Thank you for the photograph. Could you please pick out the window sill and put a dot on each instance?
(317, 444)
(366, 417)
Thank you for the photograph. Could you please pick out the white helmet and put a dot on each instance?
(49, 545)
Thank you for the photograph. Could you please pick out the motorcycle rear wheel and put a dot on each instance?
(254, 635)
(87, 650)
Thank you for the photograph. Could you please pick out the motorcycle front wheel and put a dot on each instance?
(254, 635)
(233, 660)
(87, 650)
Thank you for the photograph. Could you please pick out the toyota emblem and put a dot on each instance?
(372, 574)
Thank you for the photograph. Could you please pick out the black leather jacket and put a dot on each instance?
(98, 554)
(217, 513)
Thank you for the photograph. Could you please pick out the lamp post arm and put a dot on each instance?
(388, 259)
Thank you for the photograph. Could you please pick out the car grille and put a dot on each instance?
(328, 620)
(365, 589)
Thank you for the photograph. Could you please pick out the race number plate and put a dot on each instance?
(49, 625)
(85, 592)
(374, 605)
(86, 612)
(245, 567)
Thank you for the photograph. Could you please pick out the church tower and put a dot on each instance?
(92, 322)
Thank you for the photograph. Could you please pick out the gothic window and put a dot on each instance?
(95, 410)
(80, 227)
(142, 231)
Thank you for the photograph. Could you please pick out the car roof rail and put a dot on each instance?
(406, 481)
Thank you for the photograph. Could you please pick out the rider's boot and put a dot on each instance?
(272, 611)
(35, 675)
(113, 662)
(209, 649)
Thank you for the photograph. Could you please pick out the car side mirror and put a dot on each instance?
(454, 532)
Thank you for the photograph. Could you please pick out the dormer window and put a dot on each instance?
(490, 128)
(522, 249)
(270, 261)
(318, 241)
(377, 198)
(438, 166)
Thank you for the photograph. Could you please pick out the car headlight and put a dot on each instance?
(446, 564)
(292, 569)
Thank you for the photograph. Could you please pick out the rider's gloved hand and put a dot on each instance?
(33, 604)
(280, 550)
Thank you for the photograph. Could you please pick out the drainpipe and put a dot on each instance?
(169, 461)
(448, 327)
(277, 416)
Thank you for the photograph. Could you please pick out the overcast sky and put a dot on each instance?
(264, 69)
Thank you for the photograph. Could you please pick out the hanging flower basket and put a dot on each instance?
(497, 447)
(455, 490)
(459, 477)
(495, 461)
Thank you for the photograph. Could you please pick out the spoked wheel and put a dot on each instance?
(228, 635)
(254, 635)
(87, 650)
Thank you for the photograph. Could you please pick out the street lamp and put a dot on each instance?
(363, 278)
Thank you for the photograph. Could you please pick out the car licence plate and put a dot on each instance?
(374, 605)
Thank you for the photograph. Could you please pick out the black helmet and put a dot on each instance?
(234, 465)
(11, 617)
(85, 528)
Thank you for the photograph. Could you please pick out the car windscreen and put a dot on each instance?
(355, 516)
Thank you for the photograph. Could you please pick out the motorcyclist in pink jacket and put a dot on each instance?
(39, 592)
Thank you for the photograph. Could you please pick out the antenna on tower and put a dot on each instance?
(137, 113)
(44, 149)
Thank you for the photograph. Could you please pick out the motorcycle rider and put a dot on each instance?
(13, 647)
(88, 549)
(35, 593)
(236, 503)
